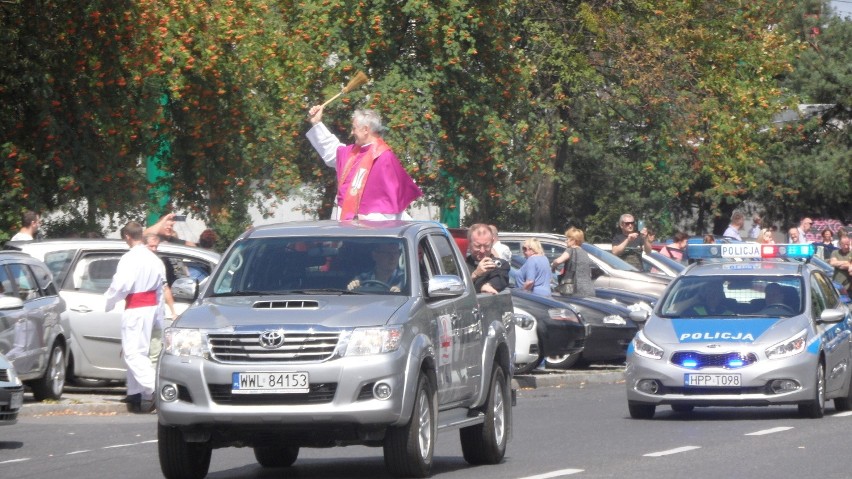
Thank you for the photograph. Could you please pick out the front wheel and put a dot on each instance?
(283, 456)
(180, 459)
(640, 410)
(50, 385)
(815, 408)
(409, 449)
(486, 443)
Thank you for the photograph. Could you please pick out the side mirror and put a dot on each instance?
(185, 289)
(833, 315)
(445, 286)
(639, 316)
(10, 302)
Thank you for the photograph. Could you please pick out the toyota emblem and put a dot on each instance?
(272, 339)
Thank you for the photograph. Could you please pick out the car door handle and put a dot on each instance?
(81, 309)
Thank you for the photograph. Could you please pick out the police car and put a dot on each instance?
(747, 325)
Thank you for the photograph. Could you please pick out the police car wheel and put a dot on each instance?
(640, 410)
(682, 407)
(815, 408)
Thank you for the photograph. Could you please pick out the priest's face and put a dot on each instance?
(361, 134)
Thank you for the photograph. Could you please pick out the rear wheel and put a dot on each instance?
(409, 449)
(180, 459)
(563, 361)
(51, 384)
(640, 410)
(283, 456)
(486, 443)
(815, 408)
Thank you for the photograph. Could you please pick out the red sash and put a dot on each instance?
(140, 300)
(352, 196)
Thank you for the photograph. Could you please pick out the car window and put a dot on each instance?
(27, 286)
(827, 291)
(58, 263)
(44, 279)
(449, 264)
(319, 264)
(93, 272)
(7, 288)
(702, 296)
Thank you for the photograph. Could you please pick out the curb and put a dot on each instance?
(105, 401)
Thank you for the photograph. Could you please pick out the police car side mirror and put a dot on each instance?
(639, 316)
(833, 315)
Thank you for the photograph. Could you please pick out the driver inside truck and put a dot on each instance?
(386, 274)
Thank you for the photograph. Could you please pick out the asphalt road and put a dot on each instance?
(580, 430)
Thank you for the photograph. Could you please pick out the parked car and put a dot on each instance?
(608, 271)
(33, 323)
(83, 269)
(539, 318)
(11, 391)
(655, 262)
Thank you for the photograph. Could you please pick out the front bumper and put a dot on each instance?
(341, 394)
(755, 389)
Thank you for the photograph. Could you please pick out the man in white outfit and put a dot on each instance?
(139, 279)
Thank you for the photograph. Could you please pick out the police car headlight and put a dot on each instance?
(365, 341)
(184, 342)
(788, 347)
(645, 348)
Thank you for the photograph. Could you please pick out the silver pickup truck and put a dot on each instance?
(328, 334)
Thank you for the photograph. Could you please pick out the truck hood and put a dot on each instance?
(333, 311)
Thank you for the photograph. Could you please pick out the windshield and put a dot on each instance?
(314, 265)
(718, 296)
(610, 259)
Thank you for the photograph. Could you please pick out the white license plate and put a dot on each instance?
(712, 380)
(17, 400)
(270, 383)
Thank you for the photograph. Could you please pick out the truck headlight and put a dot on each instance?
(184, 342)
(788, 347)
(645, 348)
(365, 341)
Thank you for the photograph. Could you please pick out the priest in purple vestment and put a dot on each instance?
(371, 182)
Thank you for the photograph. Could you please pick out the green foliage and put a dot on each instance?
(541, 113)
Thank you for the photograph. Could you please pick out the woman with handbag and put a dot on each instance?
(576, 278)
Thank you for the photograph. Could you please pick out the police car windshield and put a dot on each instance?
(716, 296)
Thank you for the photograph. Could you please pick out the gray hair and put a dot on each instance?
(370, 119)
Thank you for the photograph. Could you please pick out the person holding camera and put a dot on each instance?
(629, 243)
(165, 229)
(489, 274)
(535, 274)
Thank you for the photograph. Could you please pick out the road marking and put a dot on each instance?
(769, 431)
(560, 473)
(842, 414)
(78, 452)
(15, 460)
(672, 451)
(129, 445)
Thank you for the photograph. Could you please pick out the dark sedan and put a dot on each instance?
(544, 326)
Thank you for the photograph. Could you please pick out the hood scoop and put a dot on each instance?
(288, 304)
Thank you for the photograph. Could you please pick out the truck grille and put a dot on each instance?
(319, 393)
(245, 347)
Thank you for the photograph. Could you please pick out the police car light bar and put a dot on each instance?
(749, 251)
